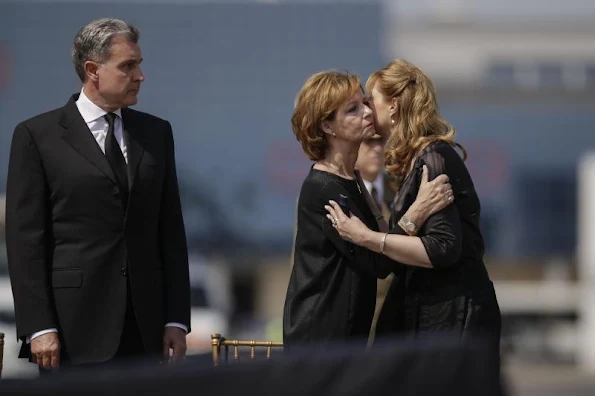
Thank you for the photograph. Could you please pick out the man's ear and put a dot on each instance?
(91, 69)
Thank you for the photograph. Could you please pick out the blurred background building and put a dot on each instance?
(517, 79)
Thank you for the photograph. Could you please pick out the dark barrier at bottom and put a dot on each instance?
(422, 367)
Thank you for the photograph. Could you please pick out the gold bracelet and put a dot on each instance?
(382, 243)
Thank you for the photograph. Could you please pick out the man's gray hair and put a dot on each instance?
(93, 41)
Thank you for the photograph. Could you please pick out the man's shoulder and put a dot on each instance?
(144, 117)
(43, 119)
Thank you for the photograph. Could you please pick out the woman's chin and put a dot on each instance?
(369, 132)
(384, 133)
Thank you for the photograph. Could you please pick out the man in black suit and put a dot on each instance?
(95, 237)
(370, 163)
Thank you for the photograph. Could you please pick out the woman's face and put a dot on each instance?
(382, 108)
(353, 120)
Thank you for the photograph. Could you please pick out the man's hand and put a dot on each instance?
(174, 338)
(45, 350)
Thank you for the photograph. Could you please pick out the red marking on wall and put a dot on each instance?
(5, 66)
(286, 167)
(489, 165)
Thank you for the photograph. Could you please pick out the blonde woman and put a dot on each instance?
(446, 286)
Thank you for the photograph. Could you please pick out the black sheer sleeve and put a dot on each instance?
(441, 234)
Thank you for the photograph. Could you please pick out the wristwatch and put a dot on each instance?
(408, 226)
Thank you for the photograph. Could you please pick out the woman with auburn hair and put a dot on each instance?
(445, 285)
(332, 289)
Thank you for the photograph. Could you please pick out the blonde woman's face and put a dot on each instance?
(382, 110)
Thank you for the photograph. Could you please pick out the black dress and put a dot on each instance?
(456, 295)
(332, 288)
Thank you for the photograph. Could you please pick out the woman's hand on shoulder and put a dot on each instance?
(350, 228)
(435, 195)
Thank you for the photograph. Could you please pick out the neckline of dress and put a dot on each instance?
(354, 180)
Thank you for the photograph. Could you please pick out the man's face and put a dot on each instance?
(370, 159)
(120, 76)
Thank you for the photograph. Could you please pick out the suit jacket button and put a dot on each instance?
(116, 192)
(124, 272)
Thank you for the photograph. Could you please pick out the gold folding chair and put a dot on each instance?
(1, 352)
(217, 342)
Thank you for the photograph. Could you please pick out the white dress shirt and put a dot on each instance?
(94, 117)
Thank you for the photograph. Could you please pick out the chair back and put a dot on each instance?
(1, 352)
(218, 342)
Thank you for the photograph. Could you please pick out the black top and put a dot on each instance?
(332, 289)
(452, 237)
(452, 293)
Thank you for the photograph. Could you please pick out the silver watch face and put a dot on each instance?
(410, 226)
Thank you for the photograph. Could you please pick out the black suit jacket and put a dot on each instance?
(72, 247)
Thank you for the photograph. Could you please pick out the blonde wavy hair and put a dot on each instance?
(418, 122)
(318, 99)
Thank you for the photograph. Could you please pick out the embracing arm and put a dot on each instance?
(404, 249)
(442, 233)
(440, 245)
(432, 197)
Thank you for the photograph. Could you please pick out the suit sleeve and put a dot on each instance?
(28, 236)
(441, 234)
(173, 243)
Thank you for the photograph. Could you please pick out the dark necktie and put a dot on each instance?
(114, 156)
(374, 194)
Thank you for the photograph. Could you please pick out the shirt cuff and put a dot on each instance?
(178, 325)
(40, 333)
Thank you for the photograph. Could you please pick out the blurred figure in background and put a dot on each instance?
(332, 289)
(447, 287)
(95, 237)
(370, 165)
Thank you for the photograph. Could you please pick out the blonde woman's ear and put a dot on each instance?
(393, 105)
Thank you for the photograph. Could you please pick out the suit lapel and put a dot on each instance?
(134, 142)
(77, 134)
